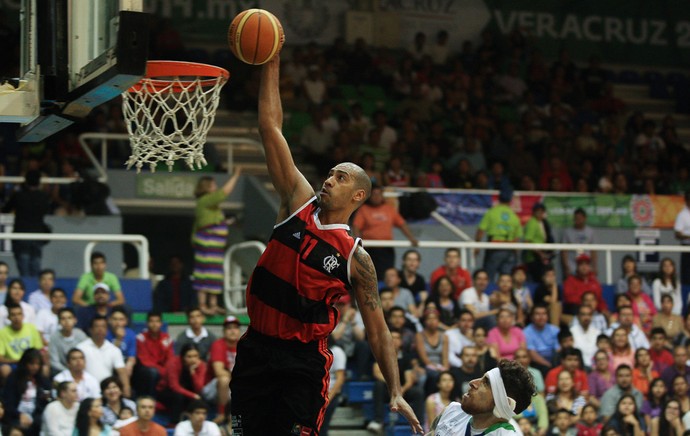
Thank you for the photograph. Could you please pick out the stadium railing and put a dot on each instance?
(140, 243)
(467, 247)
(235, 289)
(224, 143)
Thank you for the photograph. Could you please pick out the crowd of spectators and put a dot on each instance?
(492, 116)
(595, 364)
(76, 365)
(621, 369)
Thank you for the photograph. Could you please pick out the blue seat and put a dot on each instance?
(402, 430)
(137, 291)
(360, 392)
(630, 77)
(368, 411)
(659, 90)
(654, 77)
(676, 78)
(609, 294)
(586, 116)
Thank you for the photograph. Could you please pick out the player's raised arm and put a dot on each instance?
(293, 187)
(366, 291)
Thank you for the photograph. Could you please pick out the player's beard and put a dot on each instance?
(471, 407)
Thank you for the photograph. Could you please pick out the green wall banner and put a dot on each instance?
(166, 186)
(635, 32)
(602, 210)
(638, 32)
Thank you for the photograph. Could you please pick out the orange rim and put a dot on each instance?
(160, 75)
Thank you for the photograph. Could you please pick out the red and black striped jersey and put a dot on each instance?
(304, 270)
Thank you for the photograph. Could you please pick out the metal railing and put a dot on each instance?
(234, 287)
(469, 246)
(221, 142)
(140, 242)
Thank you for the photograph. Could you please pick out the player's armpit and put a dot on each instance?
(364, 280)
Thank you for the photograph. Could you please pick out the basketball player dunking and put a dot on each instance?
(280, 379)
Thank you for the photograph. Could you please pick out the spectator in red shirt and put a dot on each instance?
(154, 350)
(451, 267)
(583, 281)
(661, 356)
(556, 169)
(570, 361)
(223, 352)
(186, 376)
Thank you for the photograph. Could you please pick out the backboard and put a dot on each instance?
(75, 55)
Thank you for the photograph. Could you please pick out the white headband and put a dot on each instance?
(505, 406)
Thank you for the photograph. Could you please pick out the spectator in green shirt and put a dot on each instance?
(537, 231)
(83, 295)
(499, 224)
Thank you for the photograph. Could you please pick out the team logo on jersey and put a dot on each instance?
(330, 263)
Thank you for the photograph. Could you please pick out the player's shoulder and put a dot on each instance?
(300, 208)
(361, 256)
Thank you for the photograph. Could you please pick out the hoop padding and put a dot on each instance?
(170, 111)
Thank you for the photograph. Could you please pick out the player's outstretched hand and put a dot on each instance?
(398, 404)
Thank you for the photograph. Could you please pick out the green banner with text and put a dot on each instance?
(637, 32)
(618, 31)
(602, 210)
(166, 186)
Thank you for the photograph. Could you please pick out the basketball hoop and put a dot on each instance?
(170, 111)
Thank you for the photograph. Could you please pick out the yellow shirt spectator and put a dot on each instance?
(13, 342)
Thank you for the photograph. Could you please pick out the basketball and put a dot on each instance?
(255, 36)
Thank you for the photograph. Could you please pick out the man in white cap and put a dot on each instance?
(100, 306)
(489, 405)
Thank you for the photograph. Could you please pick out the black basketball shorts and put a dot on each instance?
(279, 387)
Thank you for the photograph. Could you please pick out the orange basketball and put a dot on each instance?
(255, 36)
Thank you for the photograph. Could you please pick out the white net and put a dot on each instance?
(168, 119)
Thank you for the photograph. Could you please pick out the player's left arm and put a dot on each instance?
(366, 292)
(289, 182)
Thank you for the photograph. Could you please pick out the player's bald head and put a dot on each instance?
(361, 178)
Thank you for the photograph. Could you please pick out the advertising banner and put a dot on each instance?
(634, 32)
(618, 31)
(615, 211)
(166, 186)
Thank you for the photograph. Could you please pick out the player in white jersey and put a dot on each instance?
(489, 405)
